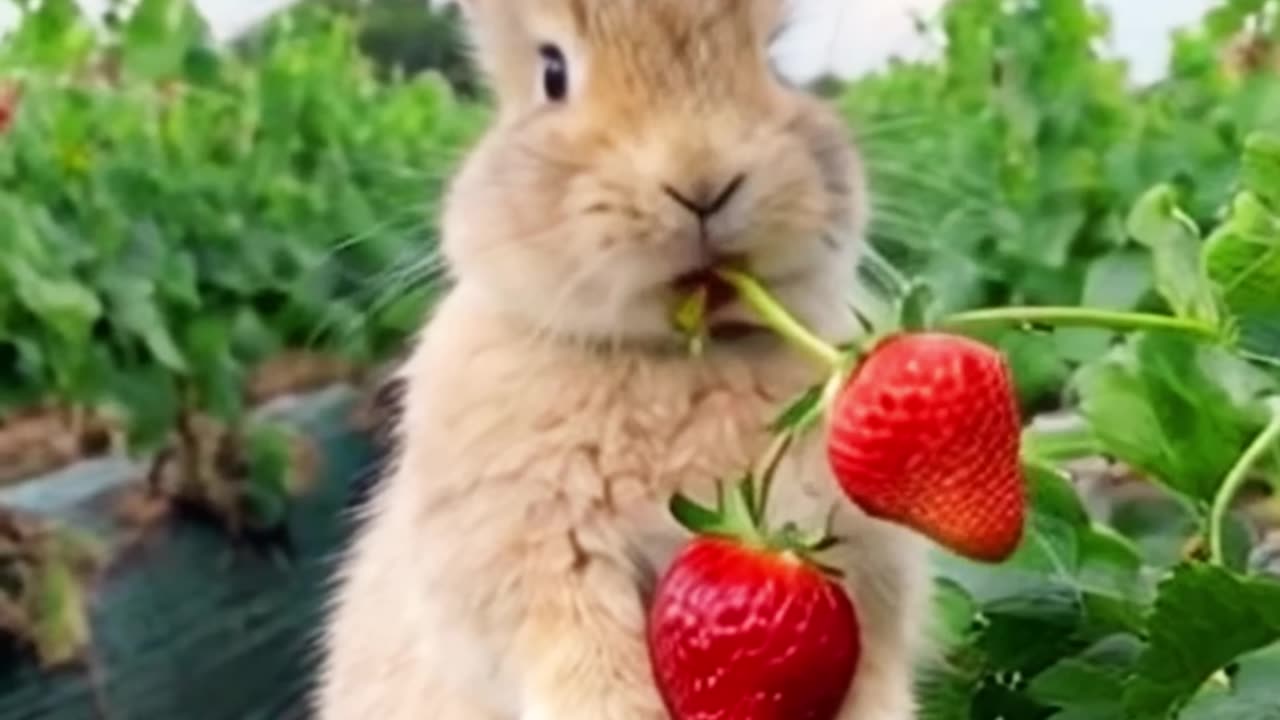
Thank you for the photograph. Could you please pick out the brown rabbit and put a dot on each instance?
(503, 567)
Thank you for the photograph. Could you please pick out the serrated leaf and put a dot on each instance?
(1205, 618)
(1154, 405)
(1174, 241)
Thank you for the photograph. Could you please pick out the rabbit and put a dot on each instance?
(503, 568)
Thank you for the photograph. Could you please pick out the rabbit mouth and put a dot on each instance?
(718, 292)
(722, 322)
(707, 278)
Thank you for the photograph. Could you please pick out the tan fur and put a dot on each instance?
(503, 570)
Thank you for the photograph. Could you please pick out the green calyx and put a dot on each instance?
(739, 514)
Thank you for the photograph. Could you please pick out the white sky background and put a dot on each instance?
(848, 36)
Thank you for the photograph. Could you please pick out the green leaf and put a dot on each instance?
(953, 615)
(1072, 439)
(1118, 280)
(1039, 370)
(66, 306)
(147, 398)
(1243, 258)
(1050, 613)
(947, 687)
(1163, 404)
(215, 373)
(1174, 241)
(1261, 169)
(133, 306)
(1205, 618)
(158, 34)
(1090, 684)
(1111, 565)
(270, 457)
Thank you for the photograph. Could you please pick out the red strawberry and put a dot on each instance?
(926, 433)
(746, 627)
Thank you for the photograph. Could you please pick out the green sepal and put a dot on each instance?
(801, 413)
(733, 515)
(693, 517)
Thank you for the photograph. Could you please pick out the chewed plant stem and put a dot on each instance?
(780, 320)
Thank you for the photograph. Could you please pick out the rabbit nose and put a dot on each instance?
(704, 203)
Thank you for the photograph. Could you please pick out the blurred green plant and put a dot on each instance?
(1085, 621)
(174, 217)
(402, 37)
(1004, 173)
(171, 215)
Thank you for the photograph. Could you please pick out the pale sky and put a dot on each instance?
(848, 36)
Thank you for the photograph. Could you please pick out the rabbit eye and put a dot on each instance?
(555, 73)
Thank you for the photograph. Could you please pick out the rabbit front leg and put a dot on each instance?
(581, 650)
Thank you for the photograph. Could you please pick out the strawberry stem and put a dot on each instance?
(768, 466)
(1079, 317)
(779, 319)
(1235, 480)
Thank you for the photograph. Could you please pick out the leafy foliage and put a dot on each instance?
(1037, 149)
(1052, 180)
(173, 215)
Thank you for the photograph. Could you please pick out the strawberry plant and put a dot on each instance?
(1037, 145)
(1076, 620)
(182, 227)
